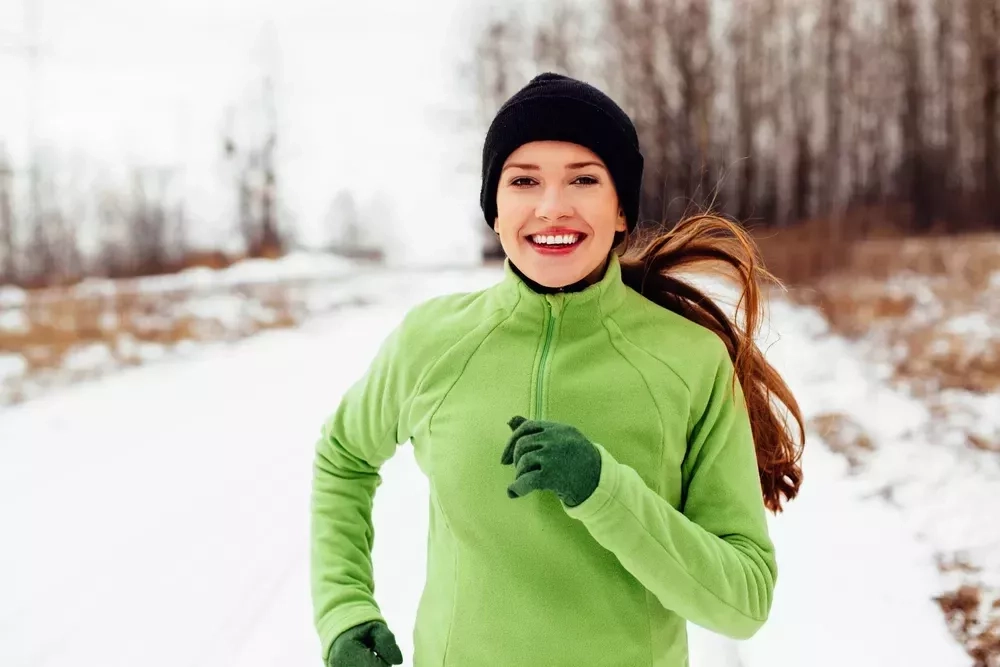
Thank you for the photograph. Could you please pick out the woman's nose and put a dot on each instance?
(553, 205)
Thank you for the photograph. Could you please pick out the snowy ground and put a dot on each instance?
(159, 516)
(53, 337)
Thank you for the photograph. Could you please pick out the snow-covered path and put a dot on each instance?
(160, 517)
(855, 586)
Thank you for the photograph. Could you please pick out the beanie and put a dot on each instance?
(553, 107)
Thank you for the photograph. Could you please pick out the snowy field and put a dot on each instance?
(159, 516)
(56, 336)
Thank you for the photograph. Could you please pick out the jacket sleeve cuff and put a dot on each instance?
(344, 619)
(602, 496)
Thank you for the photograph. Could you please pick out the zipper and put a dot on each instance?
(553, 306)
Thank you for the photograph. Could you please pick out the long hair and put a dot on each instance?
(711, 245)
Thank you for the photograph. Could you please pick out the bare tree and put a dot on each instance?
(555, 40)
(650, 88)
(344, 223)
(744, 38)
(799, 89)
(51, 254)
(944, 45)
(844, 112)
(688, 22)
(254, 167)
(913, 172)
(270, 241)
(8, 248)
(755, 35)
(868, 121)
(499, 54)
(835, 25)
(985, 39)
(149, 223)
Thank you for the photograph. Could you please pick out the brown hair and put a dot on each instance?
(710, 244)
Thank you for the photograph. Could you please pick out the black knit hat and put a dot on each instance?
(553, 107)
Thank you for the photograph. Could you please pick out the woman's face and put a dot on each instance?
(557, 212)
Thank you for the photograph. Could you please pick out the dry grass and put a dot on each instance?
(845, 436)
(975, 620)
(932, 307)
(813, 249)
(935, 302)
(58, 327)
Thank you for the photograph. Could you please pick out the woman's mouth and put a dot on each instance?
(556, 244)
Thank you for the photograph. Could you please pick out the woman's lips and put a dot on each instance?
(561, 249)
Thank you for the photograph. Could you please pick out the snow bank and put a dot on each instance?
(299, 265)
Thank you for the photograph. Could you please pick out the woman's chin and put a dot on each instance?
(555, 279)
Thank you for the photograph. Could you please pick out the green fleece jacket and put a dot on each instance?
(676, 530)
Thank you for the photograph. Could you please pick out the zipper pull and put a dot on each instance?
(556, 302)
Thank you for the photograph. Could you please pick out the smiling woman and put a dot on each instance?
(602, 441)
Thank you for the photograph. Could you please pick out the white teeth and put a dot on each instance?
(562, 239)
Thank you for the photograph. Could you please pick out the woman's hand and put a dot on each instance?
(553, 456)
(370, 644)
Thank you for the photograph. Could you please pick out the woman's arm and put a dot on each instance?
(712, 561)
(356, 440)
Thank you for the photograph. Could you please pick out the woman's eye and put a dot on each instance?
(586, 180)
(521, 181)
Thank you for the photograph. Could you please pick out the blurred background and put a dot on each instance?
(212, 212)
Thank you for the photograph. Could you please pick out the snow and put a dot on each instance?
(971, 323)
(204, 303)
(159, 516)
(973, 413)
(937, 460)
(11, 365)
(88, 357)
(297, 265)
(11, 296)
(225, 308)
(13, 320)
(854, 588)
(854, 576)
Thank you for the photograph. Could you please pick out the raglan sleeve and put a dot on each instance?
(712, 560)
(363, 432)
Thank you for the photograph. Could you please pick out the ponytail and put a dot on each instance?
(712, 245)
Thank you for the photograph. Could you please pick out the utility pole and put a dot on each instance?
(27, 46)
(23, 45)
(31, 27)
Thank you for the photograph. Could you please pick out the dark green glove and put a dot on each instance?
(370, 644)
(553, 456)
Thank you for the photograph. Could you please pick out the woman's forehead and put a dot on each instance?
(552, 152)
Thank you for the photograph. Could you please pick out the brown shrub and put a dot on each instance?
(62, 321)
(972, 624)
(853, 306)
(844, 436)
(907, 294)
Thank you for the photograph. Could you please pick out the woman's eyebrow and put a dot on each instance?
(521, 165)
(535, 167)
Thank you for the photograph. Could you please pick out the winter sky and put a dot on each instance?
(368, 98)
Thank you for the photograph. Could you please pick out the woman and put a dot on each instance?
(599, 438)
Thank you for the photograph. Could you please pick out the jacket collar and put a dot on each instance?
(578, 286)
(589, 302)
